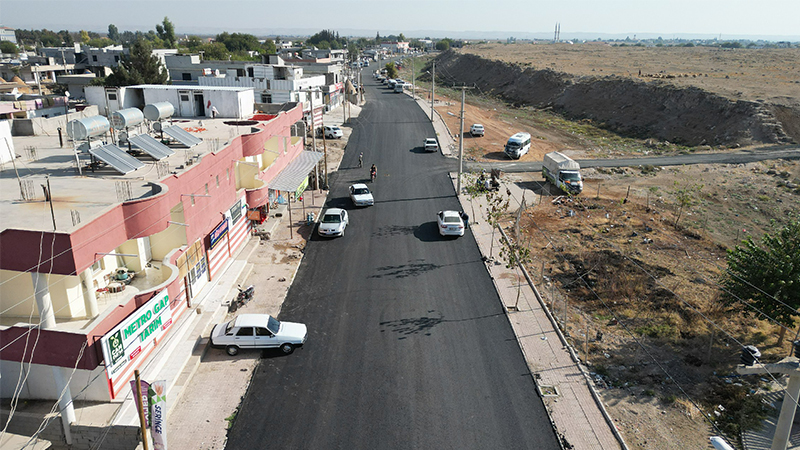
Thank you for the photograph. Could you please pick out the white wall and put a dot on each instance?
(6, 143)
(40, 384)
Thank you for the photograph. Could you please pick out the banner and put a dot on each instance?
(145, 386)
(158, 423)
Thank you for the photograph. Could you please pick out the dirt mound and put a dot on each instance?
(684, 115)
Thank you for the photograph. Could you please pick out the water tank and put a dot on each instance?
(125, 118)
(87, 127)
(157, 111)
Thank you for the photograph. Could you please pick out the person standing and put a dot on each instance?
(214, 112)
(464, 218)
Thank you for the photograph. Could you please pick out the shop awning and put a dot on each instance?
(296, 172)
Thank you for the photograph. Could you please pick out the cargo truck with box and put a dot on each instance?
(563, 172)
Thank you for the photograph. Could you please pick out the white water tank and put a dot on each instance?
(125, 118)
(158, 111)
(86, 127)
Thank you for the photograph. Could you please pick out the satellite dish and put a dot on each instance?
(157, 126)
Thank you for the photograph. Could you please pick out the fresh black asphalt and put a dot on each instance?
(408, 347)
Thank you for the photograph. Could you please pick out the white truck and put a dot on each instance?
(563, 172)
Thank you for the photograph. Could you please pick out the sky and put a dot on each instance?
(586, 19)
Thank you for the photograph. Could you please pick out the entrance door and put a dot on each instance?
(199, 107)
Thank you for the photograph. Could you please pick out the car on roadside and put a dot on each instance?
(360, 195)
(450, 223)
(476, 130)
(248, 331)
(333, 222)
(431, 145)
(332, 132)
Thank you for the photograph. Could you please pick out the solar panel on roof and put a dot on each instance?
(116, 158)
(182, 136)
(151, 146)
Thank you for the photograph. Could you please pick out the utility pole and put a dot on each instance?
(313, 128)
(325, 150)
(433, 84)
(413, 84)
(461, 141)
(142, 421)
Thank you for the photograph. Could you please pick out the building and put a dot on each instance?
(94, 272)
(395, 47)
(8, 34)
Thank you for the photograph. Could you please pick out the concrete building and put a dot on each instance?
(188, 101)
(395, 47)
(94, 274)
(8, 34)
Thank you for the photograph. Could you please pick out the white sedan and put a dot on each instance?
(258, 331)
(431, 145)
(450, 223)
(333, 222)
(360, 195)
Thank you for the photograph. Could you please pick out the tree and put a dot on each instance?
(239, 42)
(401, 38)
(378, 38)
(113, 33)
(686, 196)
(495, 209)
(391, 70)
(166, 31)
(269, 48)
(443, 45)
(140, 66)
(100, 42)
(85, 37)
(8, 47)
(515, 255)
(766, 275)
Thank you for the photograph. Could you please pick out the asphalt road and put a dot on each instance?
(739, 157)
(409, 347)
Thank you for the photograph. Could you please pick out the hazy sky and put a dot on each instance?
(729, 18)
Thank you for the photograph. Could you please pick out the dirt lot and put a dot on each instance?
(648, 286)
(771, 75)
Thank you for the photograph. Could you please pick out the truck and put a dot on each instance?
(563, 172)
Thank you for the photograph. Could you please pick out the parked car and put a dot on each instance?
(431, 145)
(476, 130)
(450, 223)
(332, 132)
(258, 331)
(333, 222)
(360, 195)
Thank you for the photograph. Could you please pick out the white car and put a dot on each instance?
(333, 222)
(332, 132)
(258, 331)
(431, 145)
(450, 223)
(360, 195)
(476, 130)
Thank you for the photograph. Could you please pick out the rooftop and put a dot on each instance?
(80, 198)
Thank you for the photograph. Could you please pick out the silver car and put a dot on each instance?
(333, 222)
(360, 195)
(450, 223)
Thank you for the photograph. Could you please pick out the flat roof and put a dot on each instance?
(41, 157)
(181, 87)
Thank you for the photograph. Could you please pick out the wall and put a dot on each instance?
(16, 295)
(88, 385)
(48, 126)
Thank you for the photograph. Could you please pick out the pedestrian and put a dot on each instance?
(214, 112)
(465, 218)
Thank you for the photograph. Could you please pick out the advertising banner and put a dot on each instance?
(158, 422)
(134, 335)
(145, 399)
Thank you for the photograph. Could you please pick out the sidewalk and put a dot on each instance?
(563, 384)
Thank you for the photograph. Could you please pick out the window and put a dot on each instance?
(266, 98)
(217, 180)
(245, 331)
(98, 266)
(192, 197)
(236, 212)
(184, 97)
(262, 332)
(112, 96)
(239, 72)
(94, 58)
(185, 76)
(206, 188)
(228, 173)
(116, 58)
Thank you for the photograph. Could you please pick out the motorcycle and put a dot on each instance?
(242, 297)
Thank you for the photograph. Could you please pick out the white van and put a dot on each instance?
(518, 145)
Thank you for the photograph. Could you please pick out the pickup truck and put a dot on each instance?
(563, 172)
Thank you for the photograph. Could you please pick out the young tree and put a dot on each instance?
(391, 70)
(766, 275)
(8, 47)
(496, 207)
(686, 196)
(515, 255)
(85, 37)
(138, 67)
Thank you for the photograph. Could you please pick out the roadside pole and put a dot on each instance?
(140, 406)
(461, 140)
(433, 84)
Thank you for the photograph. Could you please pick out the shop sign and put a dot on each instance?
(127, 340)
(219, 232)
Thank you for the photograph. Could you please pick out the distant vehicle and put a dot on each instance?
(332, 132)
(476, 130)
(391, 84)
(360, 195)
(450, 223)
(398, 87)
(431, 145)
(333, 222)
(518, 145)
(258, 331)
(563, 172)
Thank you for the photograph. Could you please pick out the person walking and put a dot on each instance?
(465, 218)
